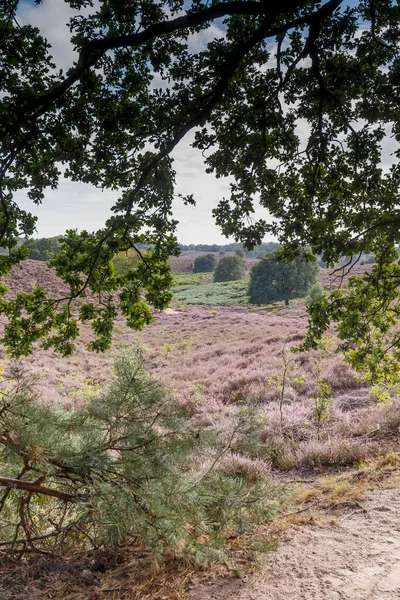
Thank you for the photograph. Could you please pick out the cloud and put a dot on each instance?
(82, 206)
(196, 223)
(199, 41)
(52, 17)
(72, 205)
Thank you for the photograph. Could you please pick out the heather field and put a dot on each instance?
(222, 360)
(225, 365)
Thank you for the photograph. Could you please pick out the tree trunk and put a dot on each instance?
(286, 301)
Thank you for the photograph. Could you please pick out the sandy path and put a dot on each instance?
(359, 560)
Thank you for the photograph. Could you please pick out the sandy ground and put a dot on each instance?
(357, 560)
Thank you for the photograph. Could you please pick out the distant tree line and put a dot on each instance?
(39, 249)
(43, 248)
(258, 251)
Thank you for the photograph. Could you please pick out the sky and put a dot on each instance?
(82, 206)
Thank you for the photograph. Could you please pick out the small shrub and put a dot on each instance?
(334, 452)
(281, 379)
(251, 469)
(128, 467)
(315, 291)
(286, 454)
(340, 376)
(180, 346)
(322, 399)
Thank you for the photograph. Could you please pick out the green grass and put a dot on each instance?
(216, 294)
(198, 288)
(190, 279)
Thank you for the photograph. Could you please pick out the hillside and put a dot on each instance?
(217, 358)
(218, 361)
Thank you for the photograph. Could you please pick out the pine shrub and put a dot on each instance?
(126, 468)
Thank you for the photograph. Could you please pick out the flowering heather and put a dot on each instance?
(333, 278)
(218, 360)
(237, 464)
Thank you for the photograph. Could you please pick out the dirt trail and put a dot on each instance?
(359, 560)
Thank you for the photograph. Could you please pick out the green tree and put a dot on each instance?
(230, 268)
(369, 260)
(272, 280)
(204, 264)
(139, 86)
(240, 252)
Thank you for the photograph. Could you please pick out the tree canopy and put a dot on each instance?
(272, 280)
(230, 268)
(204, 263)
(43, 248)
(297, 101)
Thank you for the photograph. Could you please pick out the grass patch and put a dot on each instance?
(349, 488)
(216, 294)
(190, 279)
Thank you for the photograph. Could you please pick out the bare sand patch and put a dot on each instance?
(357, 560)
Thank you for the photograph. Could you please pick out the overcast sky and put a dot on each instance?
(85, 207)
